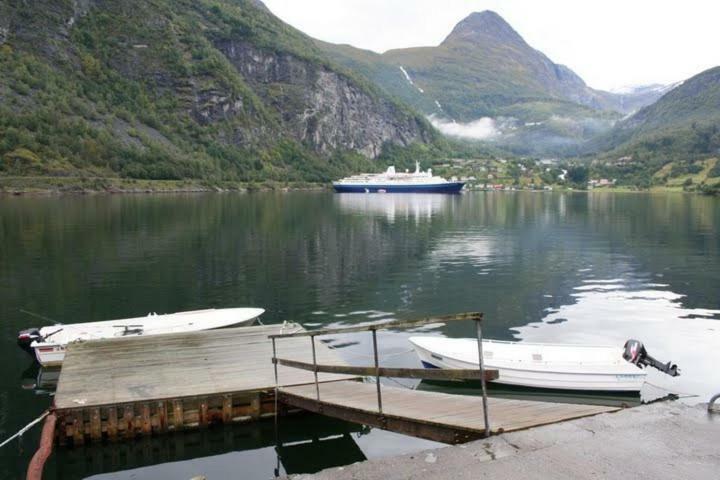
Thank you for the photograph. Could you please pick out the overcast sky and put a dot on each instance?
(609, 43)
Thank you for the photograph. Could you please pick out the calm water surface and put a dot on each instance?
(576, 268)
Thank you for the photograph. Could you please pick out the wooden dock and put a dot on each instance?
(120, 388)
(433, 415)
(436, 416)
(128, 387)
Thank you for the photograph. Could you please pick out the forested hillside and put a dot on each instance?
(161, 89)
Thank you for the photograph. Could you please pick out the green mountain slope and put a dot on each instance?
(670, 139)
(203, 89)
(484, 68)
(683, 121)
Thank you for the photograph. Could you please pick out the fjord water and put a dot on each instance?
(552, 267)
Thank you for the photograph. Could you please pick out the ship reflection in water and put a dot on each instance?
(417, 206)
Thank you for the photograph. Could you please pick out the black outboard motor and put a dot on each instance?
(635, 353)
(26, 337)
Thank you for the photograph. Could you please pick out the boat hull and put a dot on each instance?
(52, 354)
(450, 187)
(610, 379)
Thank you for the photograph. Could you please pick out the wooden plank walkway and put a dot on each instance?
(436, 416)
(134, 386)
(143, 385)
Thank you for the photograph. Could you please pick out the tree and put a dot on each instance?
(578, 175)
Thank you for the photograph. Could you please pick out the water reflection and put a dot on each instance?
(610, 311)
(415, 206)
(476, 250)
(512, 392)
(546, 267)
(306, 443)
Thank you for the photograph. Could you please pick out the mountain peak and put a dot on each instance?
(482, 26)
(260, 5)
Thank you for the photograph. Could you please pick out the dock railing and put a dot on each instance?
(377, 371)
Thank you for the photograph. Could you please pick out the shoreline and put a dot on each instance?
(608, 445)
(49, 186)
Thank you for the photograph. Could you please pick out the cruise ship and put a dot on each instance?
(393, 182)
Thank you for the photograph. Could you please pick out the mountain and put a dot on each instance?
(632, 98)
(695, 100)
(677, 136)
(485, 69)
(176, 89)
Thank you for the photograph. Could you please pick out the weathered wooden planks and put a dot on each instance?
(432, 415)
(128, 387)
(111, 372)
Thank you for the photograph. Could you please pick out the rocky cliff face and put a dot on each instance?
(183, 88)
(319, 106)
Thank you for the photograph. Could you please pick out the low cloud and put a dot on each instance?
(480, 129)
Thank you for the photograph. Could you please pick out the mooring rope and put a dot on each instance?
(25, 428)
(679, 394)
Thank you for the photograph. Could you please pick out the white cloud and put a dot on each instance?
(480, 129)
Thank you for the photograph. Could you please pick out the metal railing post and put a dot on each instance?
(377, 370)
(277, 385)
(482, 376)
(315, 372)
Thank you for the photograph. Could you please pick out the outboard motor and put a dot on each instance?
(636, 354)
(27, 336)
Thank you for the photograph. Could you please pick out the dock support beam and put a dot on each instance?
(178, 415)
(112, 423)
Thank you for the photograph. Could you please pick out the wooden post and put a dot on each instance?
(128, 417)
(377, 370)
(178, 415)
(78, 428)
(112, 423)
(145, 415)
(162, 421)
(482, 376)
(95, 425)
(255, 405)
(63, 430)
(203, 412)
(315, 372)
(227, 415)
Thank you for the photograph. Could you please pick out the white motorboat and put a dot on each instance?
(537, 365)
(48, 344)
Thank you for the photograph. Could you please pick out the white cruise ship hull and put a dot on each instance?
(448, 187)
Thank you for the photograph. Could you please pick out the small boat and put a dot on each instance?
(537, 365)
(48, 344)
(392, 181)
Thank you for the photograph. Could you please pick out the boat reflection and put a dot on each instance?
(513, 392)
(394, 207)
(42, 380)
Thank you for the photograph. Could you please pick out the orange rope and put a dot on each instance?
(37, 464)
